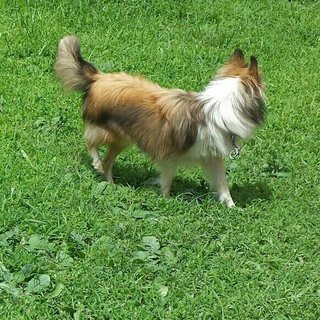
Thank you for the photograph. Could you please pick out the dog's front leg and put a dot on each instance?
(216, 173)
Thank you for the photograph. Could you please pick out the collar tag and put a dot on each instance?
(235, 152)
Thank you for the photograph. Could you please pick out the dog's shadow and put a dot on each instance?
(246, 194)
(243, 195)
(144, 176)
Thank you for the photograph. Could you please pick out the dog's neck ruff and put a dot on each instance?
(225, 103)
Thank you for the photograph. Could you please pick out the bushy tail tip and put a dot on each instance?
(72, 70)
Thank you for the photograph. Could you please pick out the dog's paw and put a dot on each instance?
(97, 164)
(231, 204)
(227, 200)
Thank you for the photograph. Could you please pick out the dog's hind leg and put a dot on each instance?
(96, 160)
(167, 171)
(94, 137)
(108, 161)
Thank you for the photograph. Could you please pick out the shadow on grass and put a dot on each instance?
(244, 195)
(124, 173)
(137, 177)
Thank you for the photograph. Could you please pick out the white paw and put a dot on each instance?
(97, 164)
(230, 204)
(227, 200)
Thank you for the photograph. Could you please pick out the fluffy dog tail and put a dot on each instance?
(73, 71)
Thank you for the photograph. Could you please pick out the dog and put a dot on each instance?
(172, 126)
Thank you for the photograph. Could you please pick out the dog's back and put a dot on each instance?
(162, 122)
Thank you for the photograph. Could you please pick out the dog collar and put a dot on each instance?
(235, 152)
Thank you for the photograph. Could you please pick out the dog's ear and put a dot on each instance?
(253, 68)
(237, 58)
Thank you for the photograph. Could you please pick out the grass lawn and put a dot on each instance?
(74, 247)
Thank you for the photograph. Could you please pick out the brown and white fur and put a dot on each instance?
(172, 126)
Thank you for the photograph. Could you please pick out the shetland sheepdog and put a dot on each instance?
(172, 126)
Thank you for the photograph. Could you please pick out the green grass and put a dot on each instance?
(73, 247)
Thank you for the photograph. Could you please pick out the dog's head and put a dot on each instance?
(248, 73)
(251, 81)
